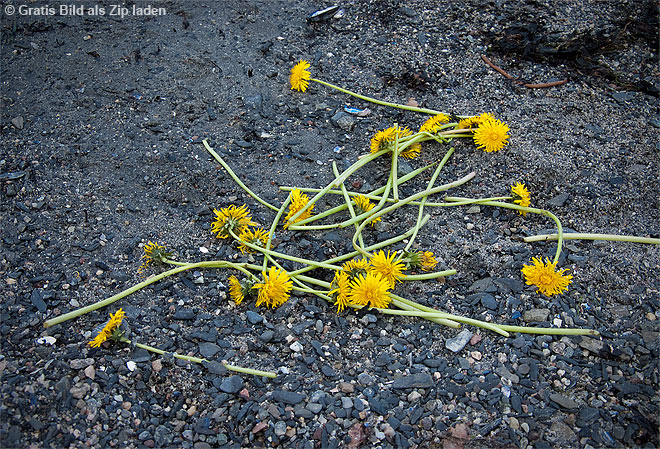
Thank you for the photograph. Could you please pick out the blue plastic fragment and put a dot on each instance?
(516, 315)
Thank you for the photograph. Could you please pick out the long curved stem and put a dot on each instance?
(348, 172)
(238, 369)
(592, 236)
(533, 210)
(236, 179)
(97, 305)
(429, 186)
(375, 101)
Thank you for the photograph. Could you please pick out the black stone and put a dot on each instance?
(288, 397)
(232, 384)
(418, 380)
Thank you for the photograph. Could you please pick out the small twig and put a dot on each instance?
(496, 68)
(517, 81)
(542, 85)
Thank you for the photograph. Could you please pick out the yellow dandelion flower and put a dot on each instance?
(110, 327)
(433, 124)
(298, 201)
(476, 120)
(383, 139)
(153, 253)
(370, 290)
(428, 261)
(387, 267)
(520, 196)
(300, 76)
(340, 290)
(364, 205)
(275, 289)
(256, 236)
(491, 135)
(230, 220)
(236, 290)
(355, 267)
(546, 277)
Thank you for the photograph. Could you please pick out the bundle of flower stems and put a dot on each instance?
(368, 275)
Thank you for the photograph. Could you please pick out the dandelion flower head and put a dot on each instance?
(275, 289)
(230, 220)
(491, 135)
(471, 122)
(300, 76)
(433, 124)
(355, 268)
(340, 290)
(370, 290)
(256, 237)
(108, 330)
(153, 253)
(546, 277)
(364, 205)
(391, 270)
(240, 289)
(521, 196)
(298, 201)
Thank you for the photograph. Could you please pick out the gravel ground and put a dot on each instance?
(100, 152)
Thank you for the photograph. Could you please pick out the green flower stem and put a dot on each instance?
(369, 216)
(590, 236)
(395, 169)
(375, 246)
(426, 276)
(420, 213)
(273, 227)
(414, 197)
(254, 372)
(380, 102)
(97, 305)
(339, 208)
(408, 200)
(347, 199)
(533, 210)
(548, 330)
(285, 256)
(445, 322)
(236, 178)
(348, 172)
(469, 202)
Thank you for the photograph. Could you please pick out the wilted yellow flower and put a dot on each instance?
(520, 196)
(370, 290)
(298, 201)
(230, 220)
(387, 267)
(340, 289)
(256, 236)
(110, 327)
(355, 267)
(491, 135)
(300, 76)
(153, 253)
(385, 140)
(428, 261)
(471, 122)
(274, 290)
(434, 123)
(546, 277)
(364, 205)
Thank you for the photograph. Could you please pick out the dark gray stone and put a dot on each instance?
(232, 384)
(208, 350)
(184, 314)
(288, 397)
(253, 317)
(563, 401)
(417, 380)
(559, 200)
(38, 300)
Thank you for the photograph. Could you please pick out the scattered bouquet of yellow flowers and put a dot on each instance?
(370, 274)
